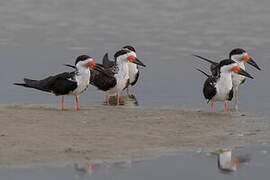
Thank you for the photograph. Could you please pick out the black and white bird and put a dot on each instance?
(240, 56)
(220, 87)
(67, 83)
(115, 77)
(133, 68)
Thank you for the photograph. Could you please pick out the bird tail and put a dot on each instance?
(205, 59)
(106, 61)
(29, 83)
(68, 65)
(203, 72)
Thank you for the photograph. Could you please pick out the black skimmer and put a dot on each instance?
(67, 83)
(220, 88)
(241, 57)
(133, 68)
(115, 78)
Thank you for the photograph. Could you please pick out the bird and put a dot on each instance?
(115, 78)
(67, 83)
(220, 87)
(133, 68)
(240, 56)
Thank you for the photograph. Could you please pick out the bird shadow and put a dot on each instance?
(129, 100)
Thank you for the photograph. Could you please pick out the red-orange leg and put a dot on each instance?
(212, 108)
(77, 103)
(91, 166)
(235, 162)
(107, 99)
(62, 103)
(117, 96)
(127, 91)
(226, 108)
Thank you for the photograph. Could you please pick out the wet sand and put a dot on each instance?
(31, 134)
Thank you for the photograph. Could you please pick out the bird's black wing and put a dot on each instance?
(60, 84)
(207, 75)
(230, 95)
(107, 63)
(209, 90)
(100, 76)
(215, 67)
(63, 83)
(72, 66)
(215, 70)
(103, 80)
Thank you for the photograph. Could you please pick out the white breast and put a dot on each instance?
(133, 70)
(82, 78)
(236, 78)
(122, 78)
(223, 87)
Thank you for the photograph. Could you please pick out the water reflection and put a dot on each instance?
(188, 165)
(125, 164)
(83, 169)
(130, 100)
(228, 163)
(86, 169)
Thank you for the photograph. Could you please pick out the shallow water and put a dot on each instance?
(36, 38)
(189, 165)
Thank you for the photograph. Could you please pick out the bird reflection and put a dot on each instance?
(130, 100)
(124, 164)
(84, 168)
(228, 163)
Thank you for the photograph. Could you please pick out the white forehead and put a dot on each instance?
(239, 57)
(85, 62)
(132, 53)
(228, 67)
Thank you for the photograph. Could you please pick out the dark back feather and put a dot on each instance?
(102, 80)
(60, 84)
(107, 63)
(209, 90)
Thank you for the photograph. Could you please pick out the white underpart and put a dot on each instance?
(224, 83)
(133, 70)
(236, 78)
(225, 161)
(82, 77)
(122, 75)
(223, 87)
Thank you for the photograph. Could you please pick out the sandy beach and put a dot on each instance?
(31, 134)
